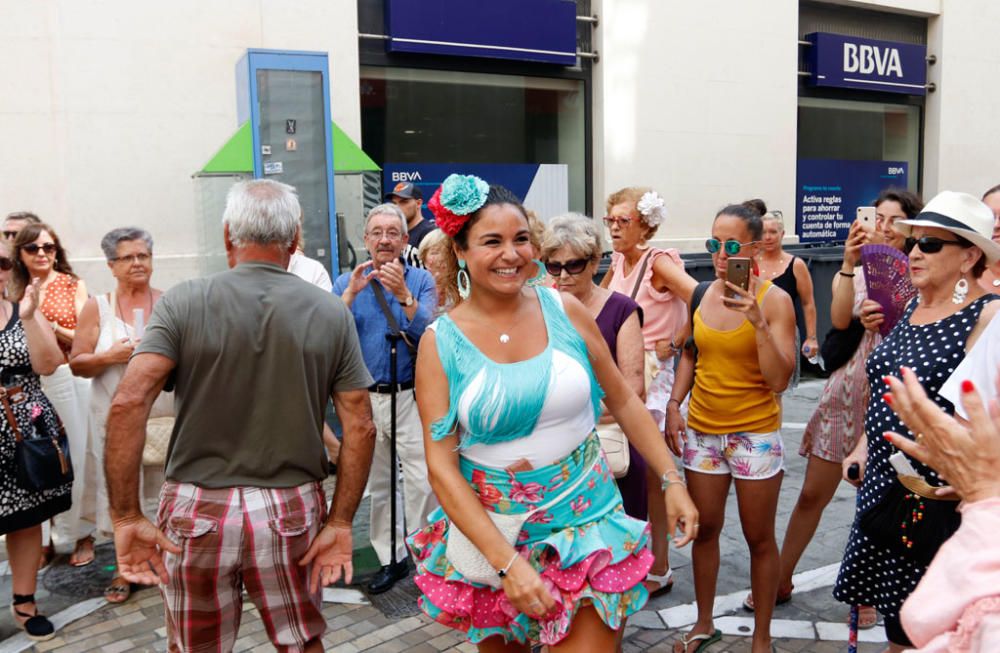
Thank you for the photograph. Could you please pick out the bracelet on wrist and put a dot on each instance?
(502, 573)
(666, 481)
(845, 274)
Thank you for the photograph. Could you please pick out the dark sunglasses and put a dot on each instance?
(32, 248)
(10, 235)
(576, 266)
(733, 247)
(6, 263)
(928, 244)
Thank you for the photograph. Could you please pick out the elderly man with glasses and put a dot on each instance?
(390, 297)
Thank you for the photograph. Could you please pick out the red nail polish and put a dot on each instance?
(885, 379)
(887, 436)
(888, 398)
(968, 386)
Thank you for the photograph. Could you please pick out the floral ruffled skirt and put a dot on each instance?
(586, 549)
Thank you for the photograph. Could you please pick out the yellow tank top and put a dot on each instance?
(730, 394)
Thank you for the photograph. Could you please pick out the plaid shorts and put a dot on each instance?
(234, 538)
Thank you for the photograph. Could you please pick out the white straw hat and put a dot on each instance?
(961, 214)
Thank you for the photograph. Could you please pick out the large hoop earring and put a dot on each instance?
(463, 280)
(539, 278)
(961, 291)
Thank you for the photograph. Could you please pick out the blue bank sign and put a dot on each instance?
(526, 30)
(866, 64)
(830, 191)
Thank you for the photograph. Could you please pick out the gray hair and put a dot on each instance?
(573, 230)
(386, 208)
(776, 216)
(263, 212)
(109, 244)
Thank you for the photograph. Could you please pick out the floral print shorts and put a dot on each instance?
(743, 455)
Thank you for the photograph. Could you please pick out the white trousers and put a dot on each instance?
(419, 500)
(70, 396)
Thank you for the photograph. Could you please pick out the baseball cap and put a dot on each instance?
(405, 189)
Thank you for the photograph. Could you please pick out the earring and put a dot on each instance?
(539, 278)
(960, 292)
(463, 280)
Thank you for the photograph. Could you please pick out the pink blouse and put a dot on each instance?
(664, 314)
(956, 607)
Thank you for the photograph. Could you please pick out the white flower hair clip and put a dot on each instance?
(652, 208)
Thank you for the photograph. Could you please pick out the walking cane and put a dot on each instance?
(393, 339)
(852, 631)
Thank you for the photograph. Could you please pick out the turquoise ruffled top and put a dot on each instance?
(511, 395)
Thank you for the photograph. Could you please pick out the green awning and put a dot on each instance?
(236, 156)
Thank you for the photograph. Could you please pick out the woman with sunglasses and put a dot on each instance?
(39, 255)
(949, 246)
(571, 251)
(509, 385)
(837, 426)
(27, 348)
(106, 336)
(745, 344)
(656, 280)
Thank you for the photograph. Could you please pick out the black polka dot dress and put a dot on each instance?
(22, 507)
(869, 574)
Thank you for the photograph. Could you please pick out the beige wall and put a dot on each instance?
(698, 100)
(107, 108)
(962, 137)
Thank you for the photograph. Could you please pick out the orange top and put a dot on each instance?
(730, 394)
(59, 305)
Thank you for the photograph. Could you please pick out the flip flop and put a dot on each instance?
(74, 561)
(118, 591)
(706, 640)
(872, 617)
(781, 599)
(664, 583)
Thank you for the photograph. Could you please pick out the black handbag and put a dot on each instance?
(910, 520)
(840, 344)
(42, 462)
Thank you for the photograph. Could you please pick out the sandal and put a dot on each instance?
(867, 617)
(706, 640)
(780, 599)
(35, 626)
(118, 591)
(86, 545)
(664, 583)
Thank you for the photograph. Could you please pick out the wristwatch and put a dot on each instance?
(409, 301)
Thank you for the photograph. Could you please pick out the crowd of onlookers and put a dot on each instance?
(521, 401)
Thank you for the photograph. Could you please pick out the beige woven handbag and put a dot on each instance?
(158, 431)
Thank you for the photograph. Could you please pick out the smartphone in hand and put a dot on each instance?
(738, 274)
(867, 218)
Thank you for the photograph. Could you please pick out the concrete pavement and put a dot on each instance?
(812, 621)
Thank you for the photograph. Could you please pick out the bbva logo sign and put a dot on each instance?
(868, 59)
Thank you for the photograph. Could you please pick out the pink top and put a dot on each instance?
(664, 314)
(956, 607)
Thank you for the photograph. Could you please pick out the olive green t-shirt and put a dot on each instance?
(258, 352)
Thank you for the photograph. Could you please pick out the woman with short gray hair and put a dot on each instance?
(571, 250)
(108, 330)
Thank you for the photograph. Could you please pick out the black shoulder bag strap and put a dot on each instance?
(696, 297)
(642, 273)
(390, 318)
